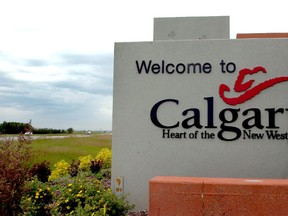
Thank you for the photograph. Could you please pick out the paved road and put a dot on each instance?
(46, 137)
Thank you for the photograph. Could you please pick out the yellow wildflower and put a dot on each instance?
(36, 195)
(104, 211)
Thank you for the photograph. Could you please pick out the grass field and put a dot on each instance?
(68, 148)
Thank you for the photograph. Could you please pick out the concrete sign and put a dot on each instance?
(199, 108)
(183, 28)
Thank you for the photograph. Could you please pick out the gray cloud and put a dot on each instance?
(91, 59)
(87, 73)
(36, 62)
(79, 85)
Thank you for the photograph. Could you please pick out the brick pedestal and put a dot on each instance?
(175, 196)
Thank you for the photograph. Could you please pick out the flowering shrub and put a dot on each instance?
(71, 195)
(82, 195)
(86, 195)
(61, 169)
(85, 162)
(38, 198)
(14, 157)
(105, 155)
(85, 191)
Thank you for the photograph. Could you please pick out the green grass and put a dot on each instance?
(57, 149)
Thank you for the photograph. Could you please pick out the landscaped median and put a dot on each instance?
(80, 187)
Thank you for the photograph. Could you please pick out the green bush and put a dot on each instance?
(87, 195)
(82, 195)
(37, 199)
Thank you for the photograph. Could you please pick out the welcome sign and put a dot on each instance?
(208, 108)
(246, 93)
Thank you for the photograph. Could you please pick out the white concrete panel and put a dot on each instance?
(183, 28)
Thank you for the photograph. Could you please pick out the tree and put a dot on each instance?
(70, 130)
(14, 127)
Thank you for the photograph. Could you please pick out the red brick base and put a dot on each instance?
(184, 196)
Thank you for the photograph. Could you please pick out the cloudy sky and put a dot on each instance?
(56, 56)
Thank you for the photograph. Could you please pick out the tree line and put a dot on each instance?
(19, 127)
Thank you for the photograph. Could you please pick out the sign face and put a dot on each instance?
(200, 108)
